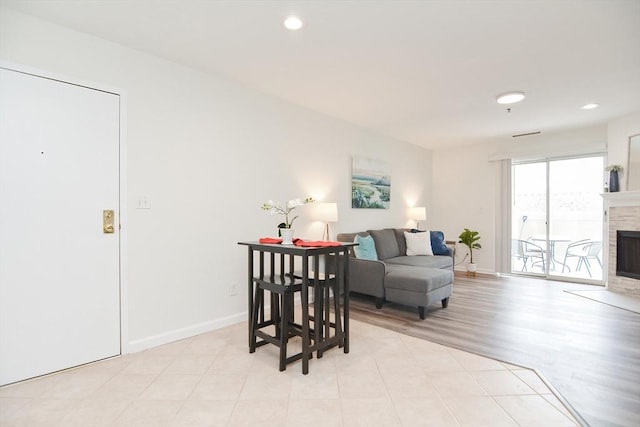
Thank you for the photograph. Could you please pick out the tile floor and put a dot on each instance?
(387, 379)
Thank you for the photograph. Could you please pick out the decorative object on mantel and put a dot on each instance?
(470, 238)
(633, 165)
(614, 180)
(285, 229)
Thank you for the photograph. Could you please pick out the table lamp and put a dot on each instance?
(418, 213)
(326, 212)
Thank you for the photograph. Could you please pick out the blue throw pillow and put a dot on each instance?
(438, 245)
(366, 248)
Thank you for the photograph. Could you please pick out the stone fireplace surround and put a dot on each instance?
(623, 210)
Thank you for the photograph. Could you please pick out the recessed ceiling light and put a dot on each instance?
(292, 23)
(510, 98)
(590, 106)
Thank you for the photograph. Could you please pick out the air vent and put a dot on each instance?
(525, 134)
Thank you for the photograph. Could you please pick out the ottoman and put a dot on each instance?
(418, 286)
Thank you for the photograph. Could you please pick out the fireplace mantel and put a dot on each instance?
(622, 198)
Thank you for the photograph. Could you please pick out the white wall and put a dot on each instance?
(619, 131)
(465, 182)
(587, 140)
(464, 195)
(208, 153)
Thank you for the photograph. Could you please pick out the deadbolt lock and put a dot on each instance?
(107, 221)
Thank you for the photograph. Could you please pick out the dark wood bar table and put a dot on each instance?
(279, 268)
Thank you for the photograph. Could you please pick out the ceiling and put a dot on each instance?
(426, 72)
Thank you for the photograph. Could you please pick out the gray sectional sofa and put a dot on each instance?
(418, 280)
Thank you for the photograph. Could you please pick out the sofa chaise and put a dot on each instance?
(399, 273)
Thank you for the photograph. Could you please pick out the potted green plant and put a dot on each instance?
(470, 239)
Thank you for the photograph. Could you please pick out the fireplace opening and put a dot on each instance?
(628, 254)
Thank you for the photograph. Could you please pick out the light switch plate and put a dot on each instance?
(143, 202)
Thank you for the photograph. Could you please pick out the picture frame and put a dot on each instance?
(370, 183)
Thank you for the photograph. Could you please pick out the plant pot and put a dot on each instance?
(614, 182)
(287, 236)
(472, 267)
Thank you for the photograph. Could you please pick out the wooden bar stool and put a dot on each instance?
(282, 287)
(326, 284)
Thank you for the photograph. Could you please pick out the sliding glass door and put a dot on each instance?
(557, 218)
(528, 218)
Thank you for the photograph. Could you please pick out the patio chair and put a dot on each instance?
(583, 250)
(526, 250)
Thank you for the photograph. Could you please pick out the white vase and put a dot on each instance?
(287, 236)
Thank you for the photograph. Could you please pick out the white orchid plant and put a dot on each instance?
(275, 208)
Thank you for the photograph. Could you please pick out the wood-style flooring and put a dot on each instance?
(589, 352)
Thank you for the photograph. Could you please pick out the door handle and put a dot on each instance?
(107, 221)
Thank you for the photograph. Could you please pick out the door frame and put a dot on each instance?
(122, 178)
(546, 274)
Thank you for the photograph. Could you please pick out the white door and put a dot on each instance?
(59, 273)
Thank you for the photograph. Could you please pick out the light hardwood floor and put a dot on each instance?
(588, 351)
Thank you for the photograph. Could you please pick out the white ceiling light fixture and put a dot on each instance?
(292, 23)
(590, 106)
(510, 97)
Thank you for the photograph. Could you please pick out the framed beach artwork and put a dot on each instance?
(370, 183)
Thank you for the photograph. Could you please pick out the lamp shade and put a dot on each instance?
(418, 213)
(326, 212)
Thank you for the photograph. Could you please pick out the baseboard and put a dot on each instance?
(187, 332)
(462, 270)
